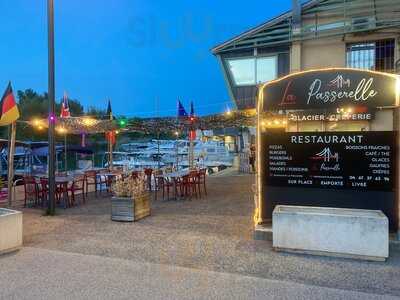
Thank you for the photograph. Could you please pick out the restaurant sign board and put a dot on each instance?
(336, 160)
(332, 88)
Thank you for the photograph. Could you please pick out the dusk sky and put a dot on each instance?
(132, 51)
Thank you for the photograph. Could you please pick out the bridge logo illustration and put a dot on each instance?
(326, 155)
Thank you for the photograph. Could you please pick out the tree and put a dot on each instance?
(96, 112)
(33, 105)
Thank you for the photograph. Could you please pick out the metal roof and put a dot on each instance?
(329, 18)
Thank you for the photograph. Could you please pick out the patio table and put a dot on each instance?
(60, 181)
(174, 175)
(63, 181)
(110, 176)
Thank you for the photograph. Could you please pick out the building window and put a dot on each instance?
(266, 69)
(242, 71)
(378, 56)
(252, 71)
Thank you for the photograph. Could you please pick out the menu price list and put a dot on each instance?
(326, 160)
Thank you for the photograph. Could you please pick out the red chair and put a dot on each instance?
(189, 184)
(77, 185)
(193, 183)
(178, 186)
(188, 187)
(148, 172)
(135, 175)
(43, 190)
(201, 181)
(30, 190)
(91, 180)
(165, 185)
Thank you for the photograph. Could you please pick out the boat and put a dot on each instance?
(159, 153)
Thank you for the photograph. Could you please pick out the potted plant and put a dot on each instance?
(131, 201)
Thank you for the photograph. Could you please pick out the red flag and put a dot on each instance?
(65, 113)
(192, 135)
(110, 136)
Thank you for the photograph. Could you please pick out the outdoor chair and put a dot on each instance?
(77, 185)
(105, 180)
(30, 190)
(135, 175)
(158, 182)
(124, 176)
(178, 186)
(163, 184)
(186, 187)
(43, 190)
(90, 180)
(201, 181)
(148, 172)
(193, 183)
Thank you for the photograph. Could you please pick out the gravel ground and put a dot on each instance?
(209, 234)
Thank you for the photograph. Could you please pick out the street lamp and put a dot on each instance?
(52, 118)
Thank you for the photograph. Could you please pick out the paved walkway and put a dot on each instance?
(203, 238)
(43, 274)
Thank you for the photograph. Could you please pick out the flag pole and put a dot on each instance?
(11, 152)
(176, 141)
(158, 135)
(191, 142)
(51, 96)
(110, 145)
(65, 152)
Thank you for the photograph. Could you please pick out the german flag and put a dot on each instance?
(9, 109)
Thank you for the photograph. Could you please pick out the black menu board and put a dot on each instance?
(336, 160)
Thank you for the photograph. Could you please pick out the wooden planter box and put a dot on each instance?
(130, 210)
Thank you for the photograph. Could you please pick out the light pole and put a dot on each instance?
(52, 118)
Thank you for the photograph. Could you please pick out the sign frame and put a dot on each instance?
(263, 213)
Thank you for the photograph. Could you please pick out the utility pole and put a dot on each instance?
(52, 118)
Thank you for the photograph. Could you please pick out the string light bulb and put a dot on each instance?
(61, 130)
(89, 121)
